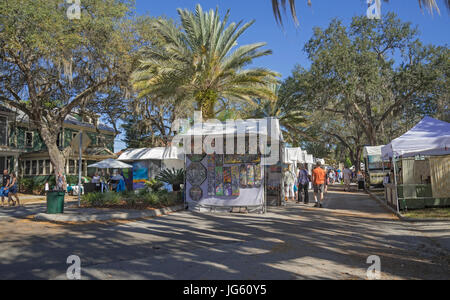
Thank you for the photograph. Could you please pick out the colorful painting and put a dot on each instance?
(250, 176)
(228, 189)
(211, 160)
(211, 181)
(226, 174)
(243, 176)
(196, 193)
(140, 175)
(219, 181)
(257, 169)
(235, 180)
(196, 174)
(219, 160)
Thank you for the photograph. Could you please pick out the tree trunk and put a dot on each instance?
(57, 157)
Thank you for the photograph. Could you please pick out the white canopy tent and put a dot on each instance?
(428, 137)
(293, 156)
(110, 164)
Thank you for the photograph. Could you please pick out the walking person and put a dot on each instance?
(4, 188)
(289, 182)
(303, 184)
(13, 190)
(347, 174)
(318, 179)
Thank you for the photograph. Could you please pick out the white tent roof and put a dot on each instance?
(428, 137)
(372, 150)
(292, 155)
(110, 164)
(269, 127)
(309, 159)
(158, 153)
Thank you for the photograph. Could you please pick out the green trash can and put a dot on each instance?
(55, 202)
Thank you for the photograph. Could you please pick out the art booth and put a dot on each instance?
(236, 180)
(420, 173)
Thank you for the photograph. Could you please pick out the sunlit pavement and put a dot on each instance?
(292, 242)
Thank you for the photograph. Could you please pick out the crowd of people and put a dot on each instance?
(297, 184)
(9, 189)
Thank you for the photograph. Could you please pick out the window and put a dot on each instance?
(71, 166)
(27, 167)
(3, 131)
(29, 139)
(47, 167)
(34, 167)
(41, 167)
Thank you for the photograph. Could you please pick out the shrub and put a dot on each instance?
(173, 177)
(92, 199)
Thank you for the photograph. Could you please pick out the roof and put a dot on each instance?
(269, 127)
(70, 119)
(428, 137)
(158, 153)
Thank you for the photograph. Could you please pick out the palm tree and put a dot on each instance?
(286, 109)
(199, 62)
(277, 6)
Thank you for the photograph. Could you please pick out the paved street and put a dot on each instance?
(292, 242)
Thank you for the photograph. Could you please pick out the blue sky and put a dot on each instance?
(287, 42)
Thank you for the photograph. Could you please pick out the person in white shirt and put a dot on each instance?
(347, 178)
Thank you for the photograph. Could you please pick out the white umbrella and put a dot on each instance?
(110, 164)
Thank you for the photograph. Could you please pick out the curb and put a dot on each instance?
(375, 197)
(134, 215)
(400, 216)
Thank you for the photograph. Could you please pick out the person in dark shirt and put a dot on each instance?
(303, 184)
(5, 183)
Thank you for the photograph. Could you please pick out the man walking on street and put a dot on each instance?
(347, 178)
(303, 185)
(318, 179)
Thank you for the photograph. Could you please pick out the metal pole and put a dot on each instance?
(395, 183)
(79, 168)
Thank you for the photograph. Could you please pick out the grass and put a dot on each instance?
(429, 213)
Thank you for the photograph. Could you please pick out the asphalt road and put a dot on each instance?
(292, 242)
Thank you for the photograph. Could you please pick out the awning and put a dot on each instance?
(372, 151)
(110, 164)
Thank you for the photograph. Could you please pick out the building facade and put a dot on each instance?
(23, 151)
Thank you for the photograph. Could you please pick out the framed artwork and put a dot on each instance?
(257, 175)
(235, 180)
(211, 160)
(226, 174)
(196, 193)
(196, 174)
(250, 176)
(243, 176)
(219, 181)
(211, 181)
(219, 160)
(228, 189)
